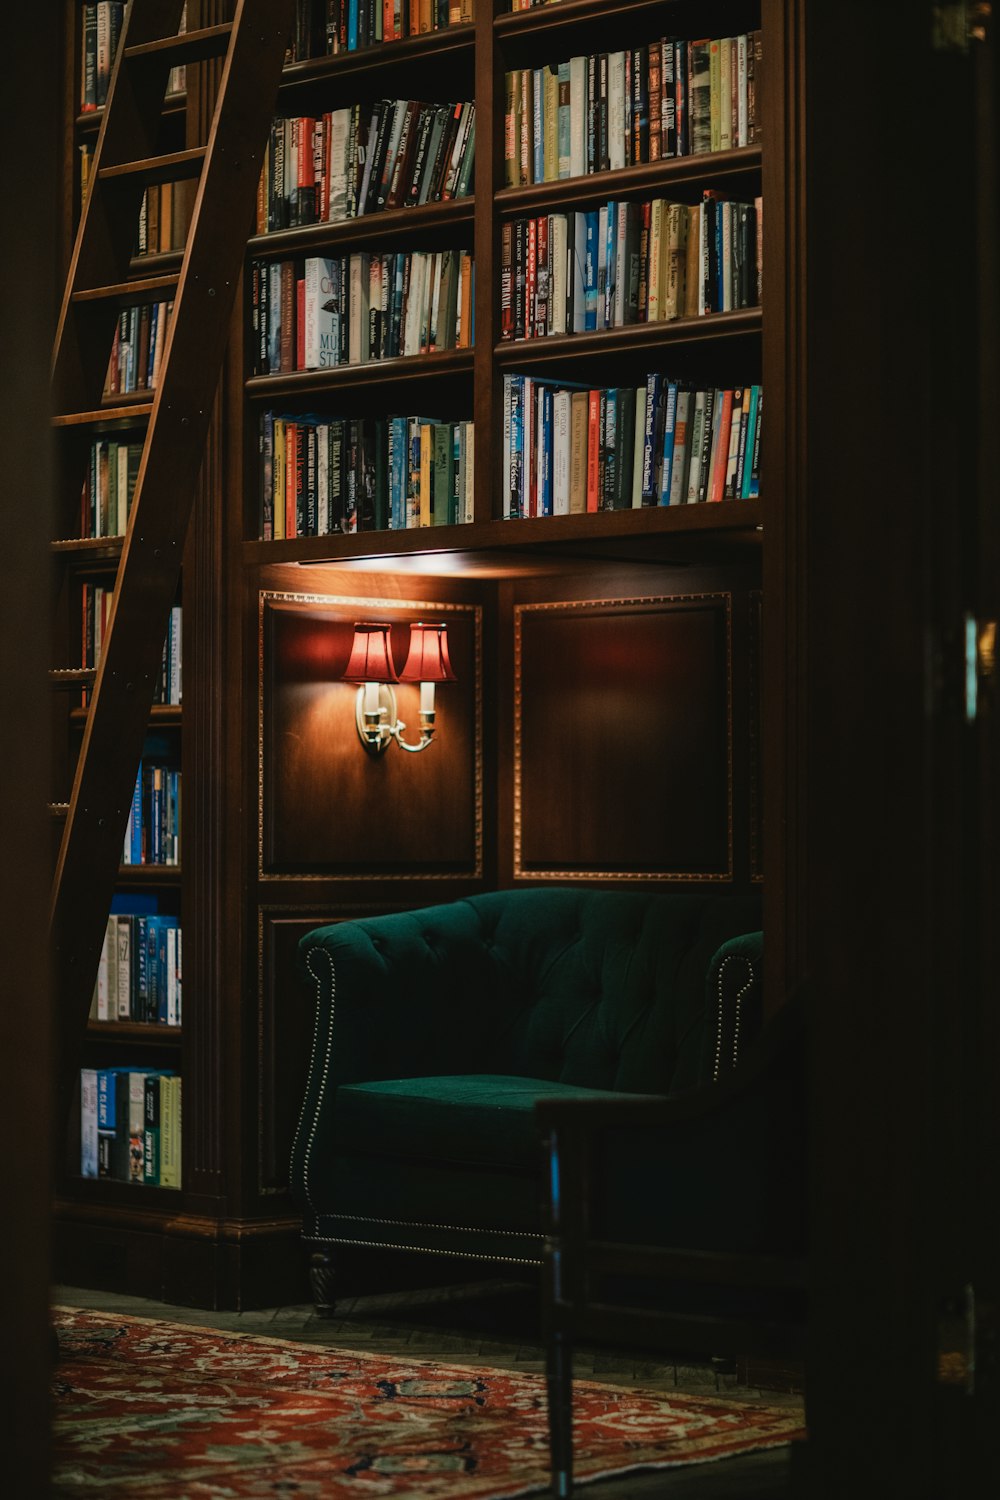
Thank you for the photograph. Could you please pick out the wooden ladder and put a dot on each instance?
(174, 417)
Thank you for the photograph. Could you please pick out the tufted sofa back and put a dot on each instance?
(601, 989)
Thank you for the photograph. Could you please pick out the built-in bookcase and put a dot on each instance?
(537, 771)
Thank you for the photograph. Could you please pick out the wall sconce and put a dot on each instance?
(372, 666)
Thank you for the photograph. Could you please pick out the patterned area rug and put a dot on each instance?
(150, 1409)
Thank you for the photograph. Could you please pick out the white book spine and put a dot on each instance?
(88, 1122)
(696, 430)
(678, 473)
(339, 139)
(123, 941)
(470, 471)
(171, 976)
(355, 330)
(102, 978)
(726, 269)
(579, 264)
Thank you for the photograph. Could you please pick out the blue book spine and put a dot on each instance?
(753, 454)
(563, 126)
(545, 456)
(352, 25)
(751, 437)
(611, 256)
(135, 850)
(396, 320)
(397, 487)
(669, 432)
(654, 395)
(154, 320)
(516, 478)
(106, 1098)
(590, 270)
(538, 125)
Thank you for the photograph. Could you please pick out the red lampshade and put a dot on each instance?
(427, 660)
(371, 654)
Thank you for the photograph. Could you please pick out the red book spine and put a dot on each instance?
(593, 449)
(531, 278)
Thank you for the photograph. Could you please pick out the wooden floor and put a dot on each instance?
(496, 1323)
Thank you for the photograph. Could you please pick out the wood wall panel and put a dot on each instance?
(623, 739)
(329, 807)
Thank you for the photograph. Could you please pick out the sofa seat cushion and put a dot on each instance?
(482, 1118)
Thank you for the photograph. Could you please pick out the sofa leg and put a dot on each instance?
(322, 1281)
(559, 1379)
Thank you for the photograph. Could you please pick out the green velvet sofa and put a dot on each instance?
(437, 1031)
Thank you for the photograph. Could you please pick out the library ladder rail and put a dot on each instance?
(175, 416)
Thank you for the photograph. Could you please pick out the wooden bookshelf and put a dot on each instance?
(245, 897)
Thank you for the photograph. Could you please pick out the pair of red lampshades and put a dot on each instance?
(426, 661)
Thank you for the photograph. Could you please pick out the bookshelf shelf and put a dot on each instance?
(89, 550)
(89, 123)
(740, 518)
(387, 372)
(542, 21)
(386, 58)
(149, 875)
(161, 716)
(369, 230)
(643, 180)
(637, 338)
(146, 1033)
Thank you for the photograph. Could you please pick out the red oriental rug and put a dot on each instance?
(147, 1409)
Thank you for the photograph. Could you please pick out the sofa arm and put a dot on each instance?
(721, 1167)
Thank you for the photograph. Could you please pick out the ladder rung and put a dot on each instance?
(173, 167)
(139, 411)
(72, 677)
(187, 47)
(129, 293)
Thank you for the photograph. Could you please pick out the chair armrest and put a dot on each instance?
(721, 1167)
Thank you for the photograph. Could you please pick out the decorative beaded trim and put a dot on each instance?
(418, 1224)
(730, 959)
(312, 1065)
(507, 1260)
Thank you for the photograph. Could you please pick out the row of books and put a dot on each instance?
(321, 475)
(568, 449)
(164, 217)
(153, 830)
(611, 110)
(108, 486)
(164, 214)
(324, 27)
(96, 604)
(140, 975)
(324, 312)
(101, 27)
(396, 153)
(137, 348)
(628, 263)
(130, 1125)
